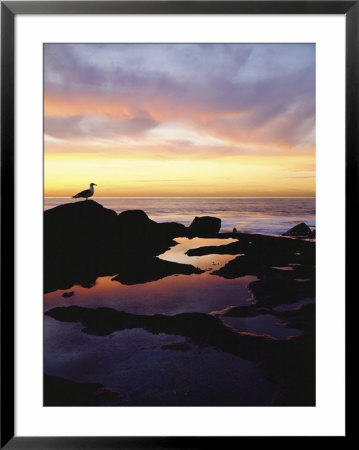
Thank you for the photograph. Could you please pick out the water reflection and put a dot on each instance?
(134, 363)
(170, 295)
(261, 324)
(205, 262)
(144, 367)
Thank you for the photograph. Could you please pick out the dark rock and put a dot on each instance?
(78, 229)
(241, 267)
(136, 223)
(134, 220)
(234, 248)
(302, 271)
(84, 240)
(61, 392)
(77, 240)
(152, 269)
(203, 328)
(68, 294)
(145, 236)
(242, 311)
(272, 249)
(270, 292)
(172, 229)
(301, 230)
(259, 253)
(301, 318)
(205, 226)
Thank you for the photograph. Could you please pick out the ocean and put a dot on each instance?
(271, 216)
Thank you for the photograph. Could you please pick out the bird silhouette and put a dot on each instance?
(86, 193)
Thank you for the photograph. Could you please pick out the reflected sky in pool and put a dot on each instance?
(134, 363)
(170, 295)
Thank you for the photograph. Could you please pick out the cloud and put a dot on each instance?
(258, 95)
(77, 127)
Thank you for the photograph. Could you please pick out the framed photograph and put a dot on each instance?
(173, 194)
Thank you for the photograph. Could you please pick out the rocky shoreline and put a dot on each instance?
(83, 241)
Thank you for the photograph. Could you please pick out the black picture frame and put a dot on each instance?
(9, 10)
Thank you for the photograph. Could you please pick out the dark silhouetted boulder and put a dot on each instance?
(172, 229)
(151, 269)
(136, 224)
(77, 241)
(301, 230)
(81, 226)
(84, 240)
(134, 221)
(205, 226)
(62, 392)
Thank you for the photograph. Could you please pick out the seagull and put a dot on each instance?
(86, 193)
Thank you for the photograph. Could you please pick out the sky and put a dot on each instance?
(180, 120)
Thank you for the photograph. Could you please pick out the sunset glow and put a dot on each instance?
(143, 120)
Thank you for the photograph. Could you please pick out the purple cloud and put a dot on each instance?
(238, 90)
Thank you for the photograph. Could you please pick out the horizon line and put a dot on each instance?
(117, 196)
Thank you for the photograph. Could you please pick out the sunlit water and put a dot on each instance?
(254, 215)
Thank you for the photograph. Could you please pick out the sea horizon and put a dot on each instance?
(197, 196)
